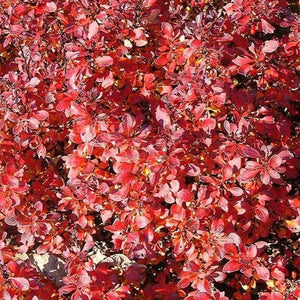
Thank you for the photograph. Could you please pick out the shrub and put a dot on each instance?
(149, 149)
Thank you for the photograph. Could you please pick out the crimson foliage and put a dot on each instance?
(160, 131)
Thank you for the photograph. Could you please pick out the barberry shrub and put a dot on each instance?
(149, 149)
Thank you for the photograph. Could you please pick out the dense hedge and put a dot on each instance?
(149, 149)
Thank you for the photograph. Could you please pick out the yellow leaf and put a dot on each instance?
(146, 171)
(271, 284)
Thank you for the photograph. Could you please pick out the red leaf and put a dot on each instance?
(148, 3)
(268, 120)
(121, 193)
(267, 27)
(230, 247)
(41, 115)
(232, 266)
(270, 46)
(273, 173)
(278, 274)
(88, 134)
(247, 151)
(72, 75)
(74, 160)
(106, 215)
(261, 213)
(184, 283)
(193, 170)
(244, 64)
(149, 77)
(41, 151)
(252, 251)
(141, 221)
(219, 276)
(107, 82)
(241, 61)
(93, 29)
(199, 110)
(104, 61)
(133, 238)
(20, 283)
(271, 296)
(208, 124)
(161, 60)
(175, 186)
(184, 195)
(140, 38)
(227, 172)
(140, 43)
(179, 245)
(245, 69)
(236, 191)
(233, 238)
(122, 167)
(112, 296)
(275, 161)
(10, 180)
(285, 155)
(82, 221)
(163, 116)
(128, 124)
(262, 273)
(117, 226)
(103, 188)
(33, 123)
(51, 7)
(247, 175)
(167, 29)
(33, 82)
(20, 9)
(253, 165)
(265, 177)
